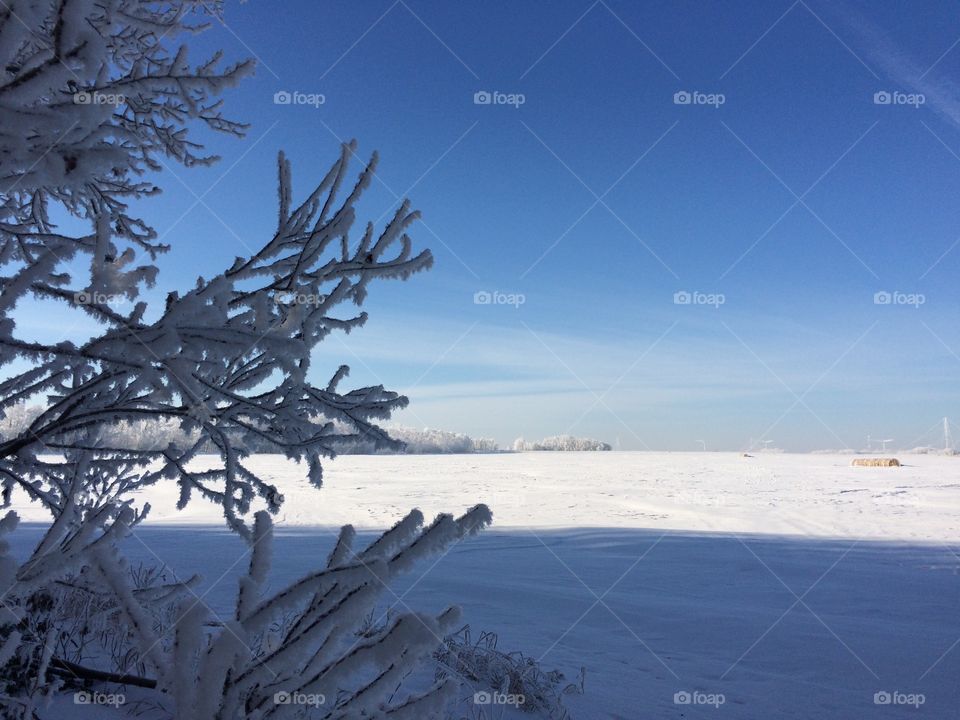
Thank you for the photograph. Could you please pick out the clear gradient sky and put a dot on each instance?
(794, 202)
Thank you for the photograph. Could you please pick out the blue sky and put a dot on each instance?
(599, 198)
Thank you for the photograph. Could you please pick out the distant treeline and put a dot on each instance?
(157, 434)
(560, 443)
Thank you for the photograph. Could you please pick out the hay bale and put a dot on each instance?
(875, 462)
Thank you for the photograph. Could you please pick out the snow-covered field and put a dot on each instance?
(779, 494)
(794, 586)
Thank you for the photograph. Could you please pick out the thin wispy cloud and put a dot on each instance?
(906, 71)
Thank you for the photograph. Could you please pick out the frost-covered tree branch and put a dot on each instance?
(309, 643)
(228, 360)
(252, 666)
(92, 97)
(95, 97)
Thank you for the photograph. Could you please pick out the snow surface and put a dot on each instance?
(778, 493)
(793, 585)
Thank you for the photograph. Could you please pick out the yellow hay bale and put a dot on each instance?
(875, 462)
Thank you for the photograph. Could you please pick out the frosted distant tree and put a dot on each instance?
(17, 418)
(427, 440)
(157, 434)
(92, 99)
(567, 443)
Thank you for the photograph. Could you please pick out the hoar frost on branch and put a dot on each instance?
(309, 639)
(91, 100)
(228, 359)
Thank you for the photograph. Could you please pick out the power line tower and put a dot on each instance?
(947, 440)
